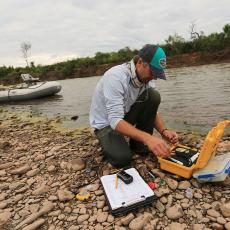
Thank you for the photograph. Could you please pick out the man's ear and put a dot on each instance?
(139, 61)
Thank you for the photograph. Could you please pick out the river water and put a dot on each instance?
(193, 98)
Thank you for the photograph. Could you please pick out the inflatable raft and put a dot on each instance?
(31, 89)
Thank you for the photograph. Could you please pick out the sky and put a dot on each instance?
(60, 30)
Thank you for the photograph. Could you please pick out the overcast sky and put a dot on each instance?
(60, 30)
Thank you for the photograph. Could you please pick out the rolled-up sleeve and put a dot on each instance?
(114, 94)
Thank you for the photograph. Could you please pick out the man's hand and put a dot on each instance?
(171, 136)
(158, 146)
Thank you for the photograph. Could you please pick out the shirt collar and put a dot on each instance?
(134, 78)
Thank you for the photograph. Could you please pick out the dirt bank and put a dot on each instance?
(42, 169)
(191, 59)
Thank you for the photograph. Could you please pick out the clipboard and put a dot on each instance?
(126, 197)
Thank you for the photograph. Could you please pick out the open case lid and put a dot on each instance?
(217, 166)
(210, 144)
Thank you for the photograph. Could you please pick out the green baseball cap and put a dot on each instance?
(156, 58)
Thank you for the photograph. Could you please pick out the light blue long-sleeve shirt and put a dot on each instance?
(114, 95)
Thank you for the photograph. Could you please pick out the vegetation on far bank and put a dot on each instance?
(174, 45)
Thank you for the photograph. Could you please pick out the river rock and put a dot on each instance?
(139, 222)
(2, 196)
(221, 220)
(21, 170)
(6, 165)
(82, 218)
(183, 185)
(51, 168)
(227, 226)
(100, 204)
(110, 219)
(213, 213)
(102, 217)
(162, 191)
(4, 217)
(177, 226)
(32, 172)
(41, 189)
(47, 207)
(126, 220)
(65, 195)
(174, 212)
(197, 227)
(77, 164)
(160, 206)
(2, 173)
(34, 208)
(172, 183)
(197, 195)
(34, 225)
(225, 209)
(93, 188)
(3, 205)
(217, 226)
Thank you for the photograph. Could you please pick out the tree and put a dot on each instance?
(25, 47)
(226, 30)
(172, 40)
(174, 44)
(193, 33)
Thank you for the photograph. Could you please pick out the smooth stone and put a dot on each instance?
(126, 220)
(227, 226)
(213, 213)
(225, 209)
(4, 217)
(82, 218)
(173, 184)
(174, 212)
(177, 226)
(65, 195)
(102, 217)
(183, 185)
(139, 222)
(21, 170)
(77, 164)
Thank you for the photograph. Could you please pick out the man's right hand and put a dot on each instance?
(155, 145)
(158, 146)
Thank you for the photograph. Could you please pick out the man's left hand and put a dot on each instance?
(171, 136)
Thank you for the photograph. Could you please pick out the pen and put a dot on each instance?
(151, 175)
(116, 182)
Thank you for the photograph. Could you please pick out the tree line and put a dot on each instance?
(174, 45)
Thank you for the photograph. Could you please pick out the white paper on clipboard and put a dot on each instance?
(126, 194)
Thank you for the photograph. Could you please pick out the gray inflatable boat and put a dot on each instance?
(30, 89)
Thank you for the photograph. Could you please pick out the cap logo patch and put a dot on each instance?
(162, 63)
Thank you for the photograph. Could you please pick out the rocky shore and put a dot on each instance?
(42, 168)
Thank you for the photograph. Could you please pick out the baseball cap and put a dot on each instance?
(156, 58)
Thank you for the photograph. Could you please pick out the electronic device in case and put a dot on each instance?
(125, 177)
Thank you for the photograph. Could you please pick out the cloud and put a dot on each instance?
(77, 28)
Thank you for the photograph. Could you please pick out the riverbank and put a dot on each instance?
(43, 167)
(182, 60)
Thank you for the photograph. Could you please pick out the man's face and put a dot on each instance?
(144, 71)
